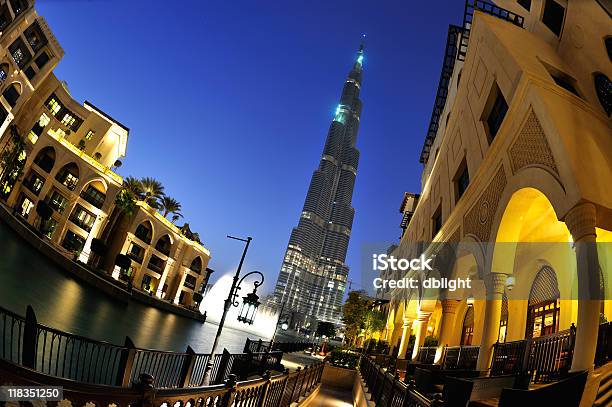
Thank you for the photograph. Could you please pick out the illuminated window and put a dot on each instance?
(49, 227)
(20, 53)
(90, 135)
(53, 105)
(25, 207)
(43, 120)
(34, 183)
(68, 120)
(82, 218)
(3, 72)
(36, 38)
(57, 201)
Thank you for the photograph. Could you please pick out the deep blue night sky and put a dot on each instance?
(229, 103)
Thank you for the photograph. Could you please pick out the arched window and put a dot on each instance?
(11, 94)
(196, 265)
(503, 320)
(163, 244)
(543, 307)
(68, 176)
(468, 327)
(4, 69)
(608, 42)
(144, 232)
(94, 193)
(45, 159)
(603, 87)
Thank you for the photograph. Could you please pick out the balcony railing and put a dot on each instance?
(486, 7)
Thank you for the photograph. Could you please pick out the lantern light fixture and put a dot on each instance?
(250, 303)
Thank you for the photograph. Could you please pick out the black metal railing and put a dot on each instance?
(603, 352)
(426, 354)
(280, 390)
(460, 357)
(545, 358)
(509, 357)
(486, 7)
(387, 390)
(550, 357)
(52, 352)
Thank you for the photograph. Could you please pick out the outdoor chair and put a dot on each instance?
(458, 392)
(567, 391)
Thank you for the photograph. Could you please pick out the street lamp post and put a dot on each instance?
(284, 325)
(249, 307)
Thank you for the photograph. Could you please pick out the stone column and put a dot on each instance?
(581, 222)
(449, 309)
(421, 332)
(401, 354)
(495, 283)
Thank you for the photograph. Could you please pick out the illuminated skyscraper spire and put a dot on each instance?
(313, 275)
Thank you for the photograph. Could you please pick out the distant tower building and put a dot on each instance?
(313, 276)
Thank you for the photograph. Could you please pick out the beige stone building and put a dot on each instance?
(59, 154)
(164, 262)
(519, 149)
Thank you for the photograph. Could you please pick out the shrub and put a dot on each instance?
(343, 358)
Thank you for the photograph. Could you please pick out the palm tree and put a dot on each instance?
(176, 217)
(152, 191)
(169, 205)
(133, 186)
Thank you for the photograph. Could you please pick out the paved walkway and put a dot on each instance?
(329, 397)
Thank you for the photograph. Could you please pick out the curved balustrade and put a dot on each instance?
(388, 390)
(270, 391)
(52, 352)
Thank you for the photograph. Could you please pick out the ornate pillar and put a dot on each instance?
(495, 283)
(581, 222)
(421, 332)
(449, 309)
(401, 354)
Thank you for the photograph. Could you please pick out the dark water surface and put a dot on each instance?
(60, 301)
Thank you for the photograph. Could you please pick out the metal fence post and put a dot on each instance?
(284, 389)
(124, 370)
(231, 387)
(222, 367)
(265, 390)
(145, 385)
(297, 378)
(30, 333)
(187, 368)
